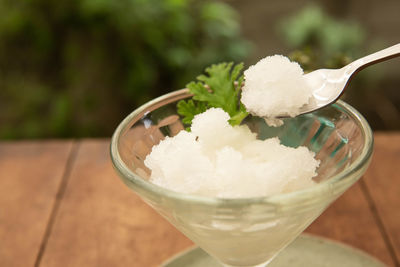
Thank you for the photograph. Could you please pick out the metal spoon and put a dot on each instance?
(329, 84)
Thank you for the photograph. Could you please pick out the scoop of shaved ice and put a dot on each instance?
(216, 159)
(275, 86)
(214, 131)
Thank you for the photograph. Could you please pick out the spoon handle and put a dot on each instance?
(382, 55)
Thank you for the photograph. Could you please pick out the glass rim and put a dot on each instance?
(343, 176)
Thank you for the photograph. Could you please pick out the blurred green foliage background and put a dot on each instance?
(74, 68)
(77, 67)
(318, 40)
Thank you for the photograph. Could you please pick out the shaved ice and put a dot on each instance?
(273, 87)
(216, 159)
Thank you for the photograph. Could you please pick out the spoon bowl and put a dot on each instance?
(329, 84)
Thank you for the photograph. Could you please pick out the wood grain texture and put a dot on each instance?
(30, 176)
(102, 223)
(350, 220)
(383, 186)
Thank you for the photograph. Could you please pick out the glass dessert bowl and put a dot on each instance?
(246, 231)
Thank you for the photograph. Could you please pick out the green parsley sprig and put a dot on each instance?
(220, 88)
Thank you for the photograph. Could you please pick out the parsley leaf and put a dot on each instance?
(220, 88)
(189, 108)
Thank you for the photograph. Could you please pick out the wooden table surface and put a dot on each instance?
(61, 204)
